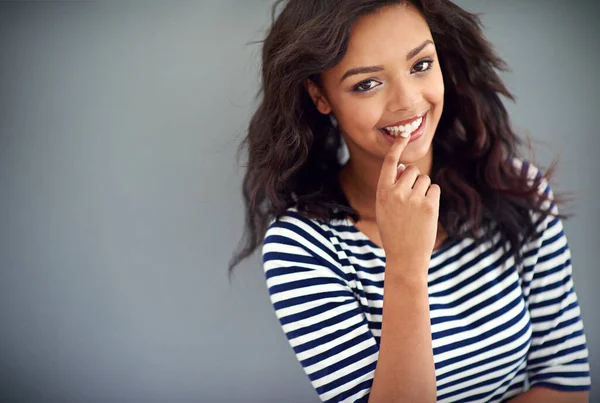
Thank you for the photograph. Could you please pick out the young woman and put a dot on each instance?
(429, 263)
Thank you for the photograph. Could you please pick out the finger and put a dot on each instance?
(422, 185)
(434, 192)
(389, 169)
(401, 168)
(408, 178)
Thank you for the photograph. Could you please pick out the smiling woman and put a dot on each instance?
(432, 264)
(374, 90)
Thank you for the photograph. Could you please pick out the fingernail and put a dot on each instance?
(401, 166)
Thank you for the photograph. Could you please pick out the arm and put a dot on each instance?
(405, 370)
(318, 310)
(328, 330)
(542, 394)
(557, 363)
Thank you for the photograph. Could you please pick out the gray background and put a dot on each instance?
(120, 194)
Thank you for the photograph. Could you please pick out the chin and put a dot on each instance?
(415, 152)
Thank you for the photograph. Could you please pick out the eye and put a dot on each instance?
(423, 65)
(366, 85)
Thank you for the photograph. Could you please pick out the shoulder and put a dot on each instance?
(294, 231)
(535, 176)
(549, 231)
(293, 224)
(528, 169)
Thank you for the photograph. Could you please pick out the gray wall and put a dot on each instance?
(120, 202)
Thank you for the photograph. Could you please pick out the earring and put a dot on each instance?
(333, 120)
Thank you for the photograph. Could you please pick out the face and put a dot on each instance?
(389, 77)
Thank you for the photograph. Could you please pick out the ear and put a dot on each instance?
(317, 96)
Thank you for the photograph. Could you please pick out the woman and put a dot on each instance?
(478, 301)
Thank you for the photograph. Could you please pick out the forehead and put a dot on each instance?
(387, 34)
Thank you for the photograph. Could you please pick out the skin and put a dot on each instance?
(402, 90)
(399, 207)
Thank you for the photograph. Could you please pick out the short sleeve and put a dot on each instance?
(558, 357)
(318, 311)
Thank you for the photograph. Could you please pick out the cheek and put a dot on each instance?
(359, 114)
(434, 90)
(434, 95)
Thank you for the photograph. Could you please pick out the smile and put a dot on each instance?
(413, 128)
(406, 127)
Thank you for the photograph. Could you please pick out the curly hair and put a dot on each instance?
(294, 151)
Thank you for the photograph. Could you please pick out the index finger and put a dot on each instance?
(389, 169)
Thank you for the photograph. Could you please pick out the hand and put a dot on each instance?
(407, 208)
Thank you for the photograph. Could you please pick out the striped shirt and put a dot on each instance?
(497, 328)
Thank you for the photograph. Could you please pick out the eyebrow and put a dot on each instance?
(375, 69)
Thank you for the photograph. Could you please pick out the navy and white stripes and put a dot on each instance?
(496, 327)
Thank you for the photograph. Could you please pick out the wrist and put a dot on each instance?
(413, 259)
(408, 270)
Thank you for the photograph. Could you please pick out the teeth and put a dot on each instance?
(405, 130)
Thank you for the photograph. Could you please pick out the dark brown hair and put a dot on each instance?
(294, 151)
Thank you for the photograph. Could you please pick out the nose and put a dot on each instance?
(404, 95)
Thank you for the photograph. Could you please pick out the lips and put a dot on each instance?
(391, 135)
(405, 121)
